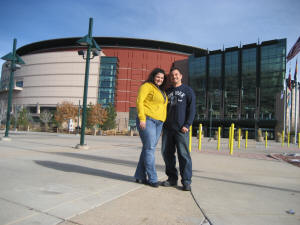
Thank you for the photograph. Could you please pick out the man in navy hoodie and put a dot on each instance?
(180, 116)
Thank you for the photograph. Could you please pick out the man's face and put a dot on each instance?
(176, 77)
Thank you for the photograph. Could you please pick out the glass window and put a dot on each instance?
(107, 81)
(197, 80)
(248, 83)
(272, 77)
(19, 83)
(215, 83)
(231, 85)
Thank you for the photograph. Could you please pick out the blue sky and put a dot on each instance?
(208, 24)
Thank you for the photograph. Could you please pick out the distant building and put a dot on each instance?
(54, 72)
(241, 85)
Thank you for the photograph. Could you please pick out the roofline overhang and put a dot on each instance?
(67, 43)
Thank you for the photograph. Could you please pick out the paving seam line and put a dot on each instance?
(206, 219)
(63, 219)
(102, 203)
(35, 212)
(109, 200)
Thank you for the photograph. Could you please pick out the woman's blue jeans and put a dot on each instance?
(149, 137)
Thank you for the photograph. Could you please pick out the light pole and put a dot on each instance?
(93, 47)
(210, 118)
(15, 62)
(210, 110)
(79, 107)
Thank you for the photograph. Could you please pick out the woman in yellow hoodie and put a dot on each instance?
(152, 111)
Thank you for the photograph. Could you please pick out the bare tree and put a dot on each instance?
(46, 117)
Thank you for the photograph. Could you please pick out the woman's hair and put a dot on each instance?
(153, 73)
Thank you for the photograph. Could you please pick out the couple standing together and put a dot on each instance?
(171, 112)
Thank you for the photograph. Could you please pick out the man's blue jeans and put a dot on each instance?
(172, 140)
(149, 137)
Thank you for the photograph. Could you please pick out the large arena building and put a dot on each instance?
(54, 72)
(242, 85)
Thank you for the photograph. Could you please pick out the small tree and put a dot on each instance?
(24, 118)
(259, 137)
(96, 115)
(64, 112)
(46, 117)
(110, 123)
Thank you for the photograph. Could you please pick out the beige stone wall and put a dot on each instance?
(53, 77)
(122, 120)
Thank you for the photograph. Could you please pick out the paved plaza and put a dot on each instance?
(45, 180)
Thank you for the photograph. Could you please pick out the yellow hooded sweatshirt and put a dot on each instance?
(151, 102)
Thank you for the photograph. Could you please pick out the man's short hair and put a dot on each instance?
(175, 68)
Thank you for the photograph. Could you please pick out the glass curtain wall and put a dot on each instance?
(231, 85)
(197, 80)
(273, 63)
(107, 81)
(215, 83)
(248, 83)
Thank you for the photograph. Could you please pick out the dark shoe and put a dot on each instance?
(168, 183)
(186, 187)
(155, 185)
(141, 181)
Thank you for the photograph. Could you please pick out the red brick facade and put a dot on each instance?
(134, 67)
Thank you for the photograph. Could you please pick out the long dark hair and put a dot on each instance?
(153, 73)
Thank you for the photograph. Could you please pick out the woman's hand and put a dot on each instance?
(184, 130)
(143, 125)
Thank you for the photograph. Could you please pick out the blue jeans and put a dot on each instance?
(172, 140)
(149, 137)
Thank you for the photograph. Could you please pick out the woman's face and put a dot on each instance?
(159, 79)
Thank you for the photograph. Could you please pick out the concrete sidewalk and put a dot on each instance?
(45, 180)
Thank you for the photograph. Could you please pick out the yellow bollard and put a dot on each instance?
(219, 137)
(190, 138)
(246, 142)
(239, 139)
(200, 137)
(232, 138)
(288, 142)
(229, 137)
(266, 144)
(282, 139)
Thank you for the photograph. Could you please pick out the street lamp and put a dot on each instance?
(79, 107)
(15, 62)
(93, 47)
(210, 118)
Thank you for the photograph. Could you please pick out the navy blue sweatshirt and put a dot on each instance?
(181, 107)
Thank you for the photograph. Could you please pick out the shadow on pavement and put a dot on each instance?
(104, 159)
(83, 170)
(107, 160)
(248, 184)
